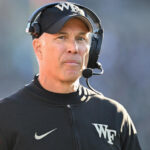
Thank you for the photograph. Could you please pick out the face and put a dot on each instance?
(64, 55)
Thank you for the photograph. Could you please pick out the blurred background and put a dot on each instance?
(125, 53)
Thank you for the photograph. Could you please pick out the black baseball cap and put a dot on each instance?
(53, 18)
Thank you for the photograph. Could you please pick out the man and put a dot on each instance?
(55, 112)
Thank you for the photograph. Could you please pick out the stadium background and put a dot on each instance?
(125, 54)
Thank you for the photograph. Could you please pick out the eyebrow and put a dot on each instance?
(80, 33)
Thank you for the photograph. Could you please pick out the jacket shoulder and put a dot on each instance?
(100, 100)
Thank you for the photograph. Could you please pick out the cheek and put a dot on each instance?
(87, 58)
(53, 53)
(47, 56)
(85, 54)
(84, 48)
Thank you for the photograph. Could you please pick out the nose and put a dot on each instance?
(72, 47)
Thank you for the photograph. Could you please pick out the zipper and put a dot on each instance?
(75, 131)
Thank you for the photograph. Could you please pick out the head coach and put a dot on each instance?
(54, 111)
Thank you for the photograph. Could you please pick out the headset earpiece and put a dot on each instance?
(92, 54)
(35, 27)
(95, 48)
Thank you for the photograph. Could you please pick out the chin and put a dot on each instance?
(71, 76)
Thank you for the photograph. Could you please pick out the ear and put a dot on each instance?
(37, 48)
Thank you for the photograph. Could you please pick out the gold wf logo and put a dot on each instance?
(104, 132)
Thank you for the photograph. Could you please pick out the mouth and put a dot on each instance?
(72, 62)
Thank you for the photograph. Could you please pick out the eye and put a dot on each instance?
(81, 39)
(61, 37)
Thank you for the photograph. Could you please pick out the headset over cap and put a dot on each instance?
(51, 18)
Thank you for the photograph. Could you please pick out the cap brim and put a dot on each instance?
(56, 27)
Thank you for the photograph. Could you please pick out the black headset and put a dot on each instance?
(33, 28)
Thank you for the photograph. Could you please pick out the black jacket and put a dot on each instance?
(35, 119)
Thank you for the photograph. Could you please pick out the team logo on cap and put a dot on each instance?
(69, 6)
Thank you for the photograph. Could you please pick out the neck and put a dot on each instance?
(58, 86)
